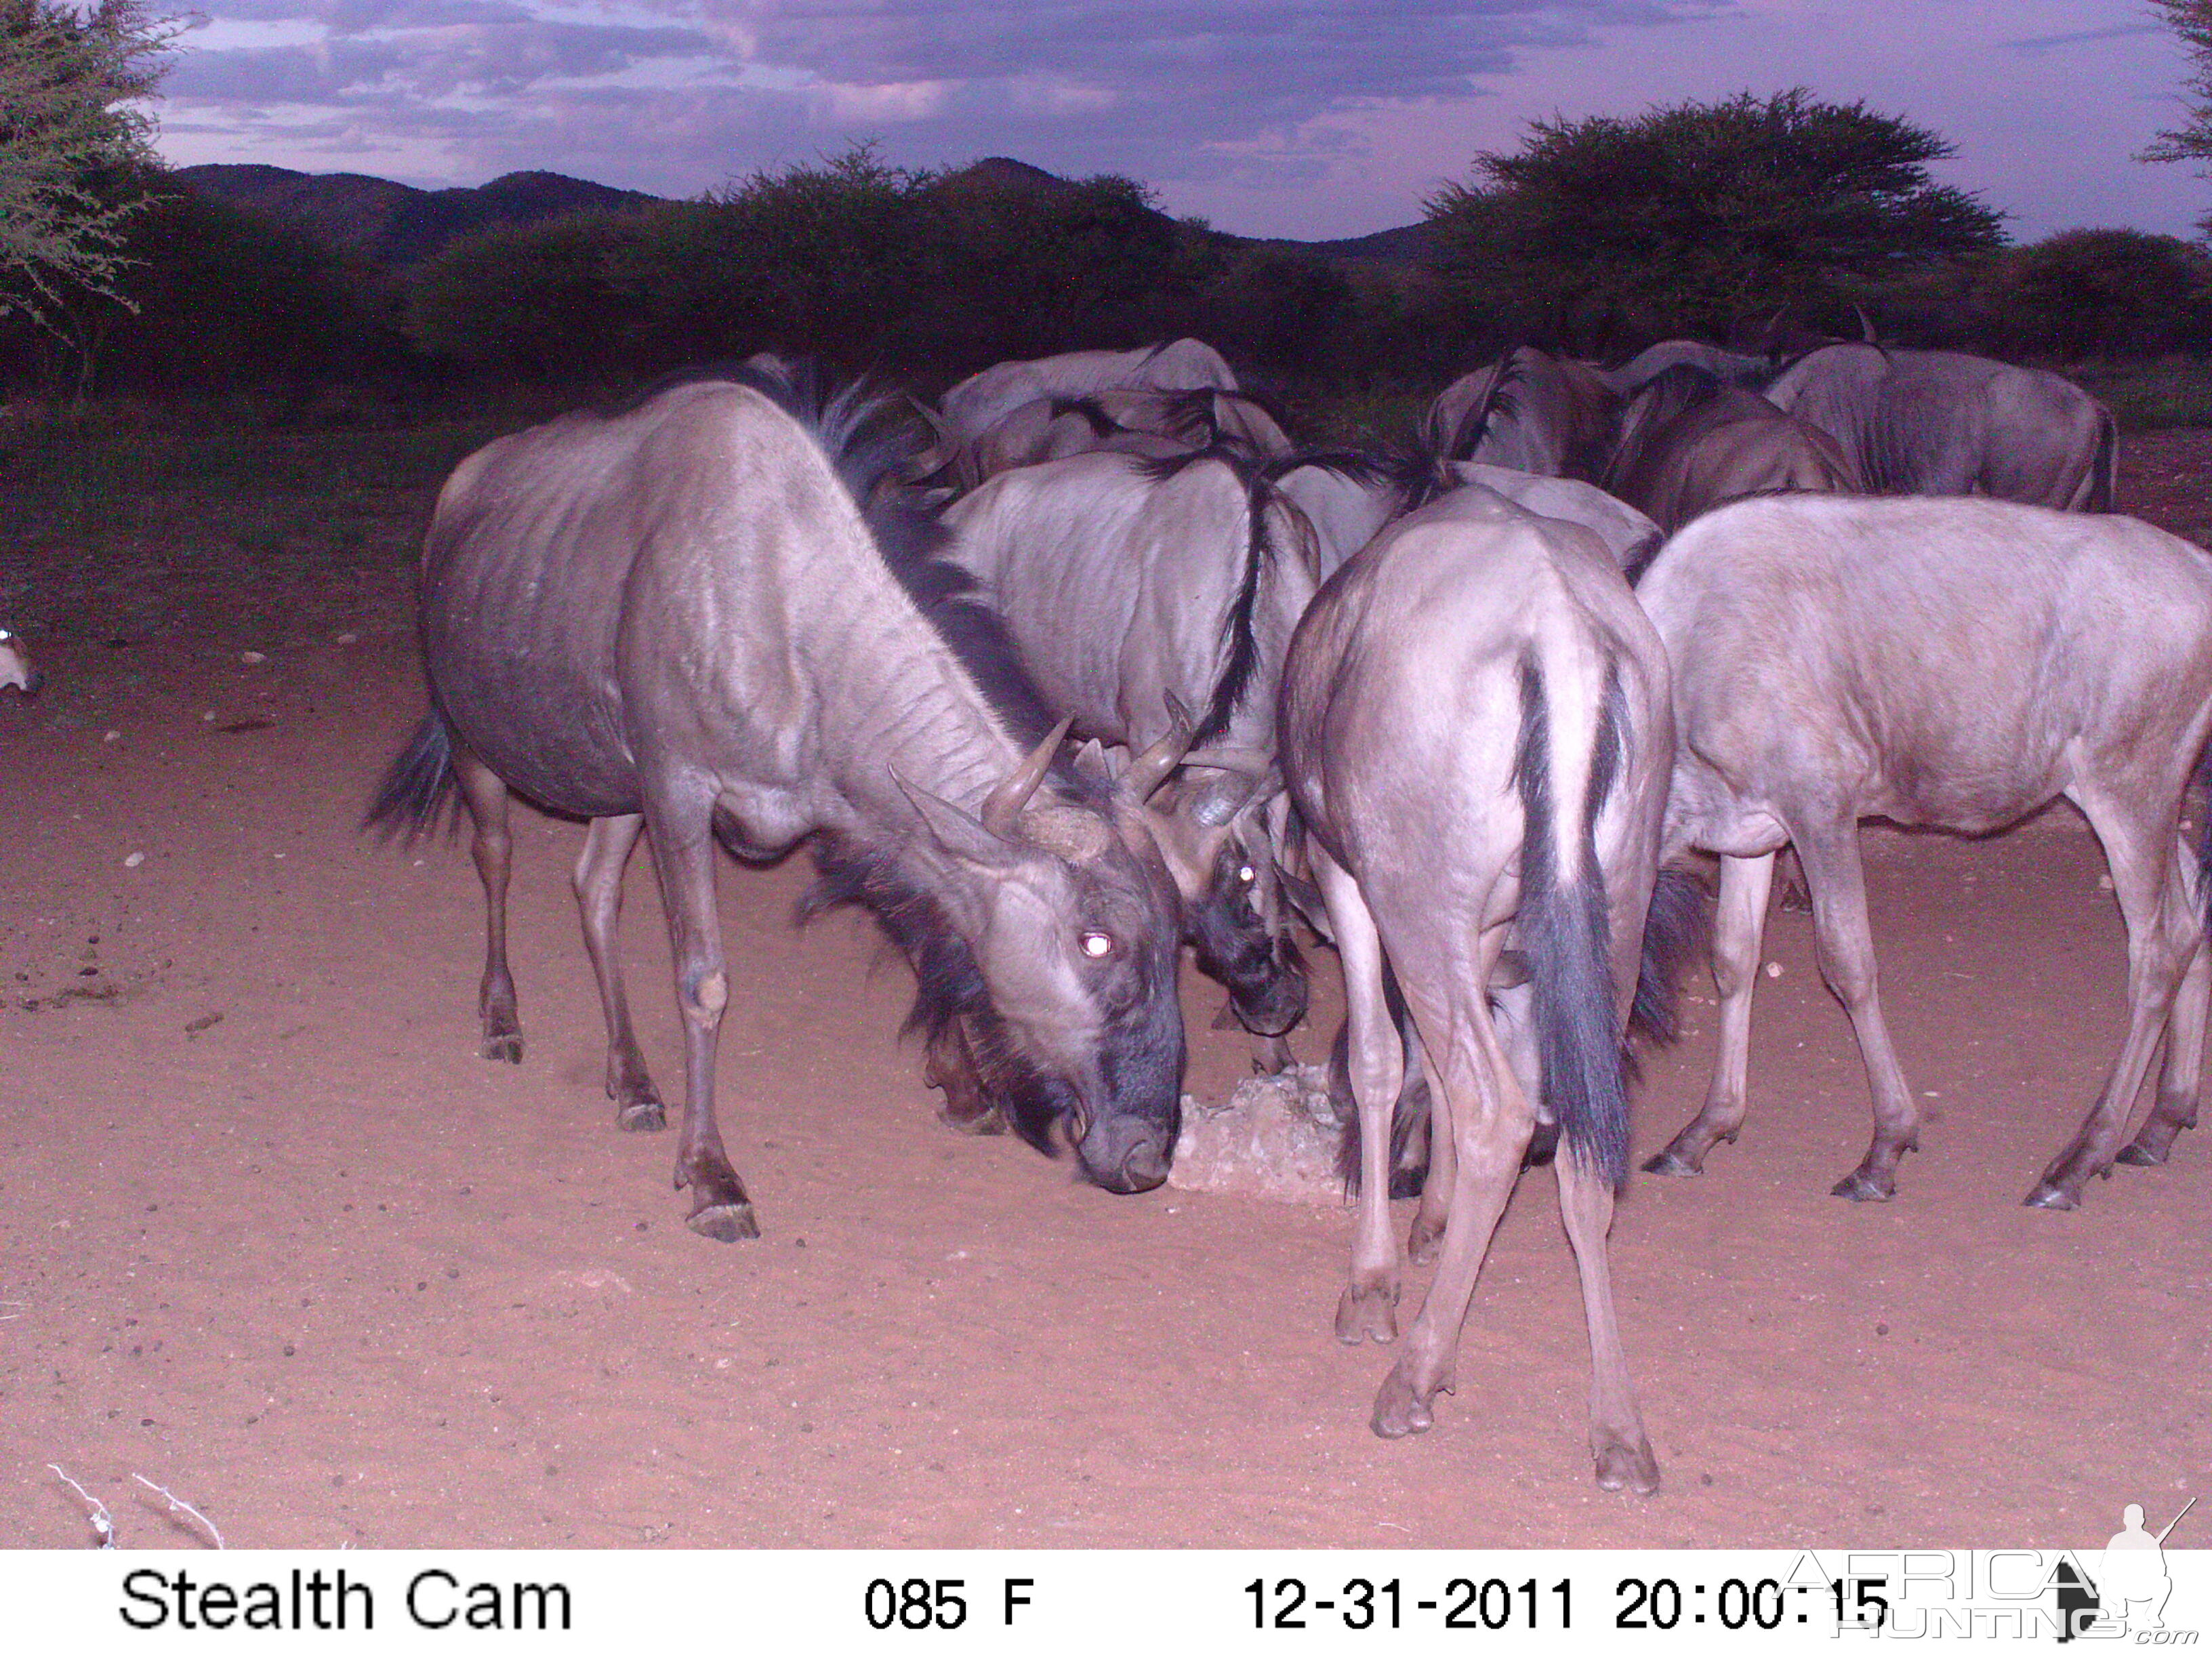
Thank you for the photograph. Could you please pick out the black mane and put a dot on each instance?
(873, 447)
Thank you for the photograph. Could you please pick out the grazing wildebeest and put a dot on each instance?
(1688, 443)
(16, 668)
(1528, 410)
(678, 618)
(1475, 730)
(1130, 586)
(1956, 663)
(973, 405)
(1943, 423)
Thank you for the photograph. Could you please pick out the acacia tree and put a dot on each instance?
(2191, 141)
(75, 146)
(1694, 218)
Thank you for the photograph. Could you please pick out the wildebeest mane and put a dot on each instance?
(948, 984)
(1417, 472)
(1238, 642)
(1498, 398)
(1102, 424)
(1671, 391)
(871, 447)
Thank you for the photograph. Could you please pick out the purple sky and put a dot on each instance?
(1297, 117)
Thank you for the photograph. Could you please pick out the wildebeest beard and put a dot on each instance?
(949, 988)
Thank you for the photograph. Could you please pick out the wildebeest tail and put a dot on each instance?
(1567, 931)
(1677, 931)
(2105, 473)
(419, 787)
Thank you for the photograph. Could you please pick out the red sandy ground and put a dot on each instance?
(330, 1276)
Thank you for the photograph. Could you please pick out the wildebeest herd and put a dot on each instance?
(1101, 663)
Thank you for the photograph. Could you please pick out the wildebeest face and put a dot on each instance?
(1072, 921)
(1213, 830)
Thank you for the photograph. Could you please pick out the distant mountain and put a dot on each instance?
(397, 224)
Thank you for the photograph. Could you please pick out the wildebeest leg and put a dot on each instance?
(607, 846)
(1479, 1104)
(1830, 853)
(2181, 1082)
(2164, 940)
(486, 796)
(1618, 1443)
(683, 854)
(1426, 1236)
(1369, 1305)
(951, 1067)
(1738, 928)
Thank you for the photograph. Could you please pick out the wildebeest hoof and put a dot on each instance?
(2051, 1195)
(1671, 1162)
(726, 1224)
(1367, 1312)
(2139, 1157)
(1863, 1188)
(1400, 1409)
(502, 1045)
(1620, 1465)
(1425, 1238)
(637, 1115)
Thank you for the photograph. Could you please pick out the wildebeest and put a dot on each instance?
(1943, 423)
(1730, 368)
(1348, 496)
(1688, 443)
(1124, 421)
(1528, 410)
(1476, 731)
(16, 668)
(973, 405)
(678, 618)
(1130, 586)
(1955, 664)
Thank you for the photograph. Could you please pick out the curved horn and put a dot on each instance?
(1866, 325)
(1002, 808)
(1150, 769)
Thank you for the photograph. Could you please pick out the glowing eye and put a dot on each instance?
(1245, 872)
(1096, 944)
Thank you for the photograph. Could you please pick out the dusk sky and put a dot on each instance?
(1291, 118)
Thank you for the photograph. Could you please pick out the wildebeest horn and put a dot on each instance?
(1150, 769)
(1866, 325)
(1002, 808)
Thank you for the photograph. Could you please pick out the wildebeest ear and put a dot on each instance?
(957, 831)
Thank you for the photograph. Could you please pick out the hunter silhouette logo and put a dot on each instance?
(2130, 1590)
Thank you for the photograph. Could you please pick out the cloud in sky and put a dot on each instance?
(1307, 118)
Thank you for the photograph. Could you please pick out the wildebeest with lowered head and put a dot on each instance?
(1956, 663)
(1476, 731)
(1528, 410)
(1688, 443)
(1944, 423)
(972, 405)
(679, 617)
(1130, 586)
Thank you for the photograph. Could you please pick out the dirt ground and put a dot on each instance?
(273, 1236)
